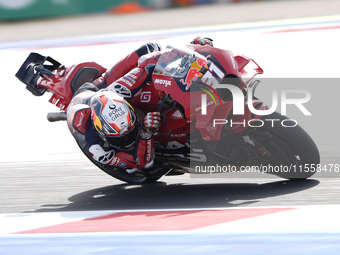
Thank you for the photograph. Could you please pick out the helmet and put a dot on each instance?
(114, 120)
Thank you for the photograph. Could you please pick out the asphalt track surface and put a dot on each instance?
(74, 185)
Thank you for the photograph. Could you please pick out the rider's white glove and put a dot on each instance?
(152, 120)
(202, 41)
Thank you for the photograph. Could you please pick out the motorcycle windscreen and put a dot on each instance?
(175, 72)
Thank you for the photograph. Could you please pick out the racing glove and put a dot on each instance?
(152, 47)
(202, 41)
(151, 124)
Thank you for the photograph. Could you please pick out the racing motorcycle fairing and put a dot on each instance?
(179, 71)
(248, 69)
(239, 123)
(66, 81)
(206, 125)
(40, 76)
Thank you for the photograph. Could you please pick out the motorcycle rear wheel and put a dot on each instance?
(120, 173)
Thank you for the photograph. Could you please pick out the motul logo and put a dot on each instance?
(163, 82)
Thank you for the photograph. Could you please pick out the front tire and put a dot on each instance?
(290, 149)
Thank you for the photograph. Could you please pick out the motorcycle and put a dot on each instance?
(188, 86)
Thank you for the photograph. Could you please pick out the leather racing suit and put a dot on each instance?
(126, 79)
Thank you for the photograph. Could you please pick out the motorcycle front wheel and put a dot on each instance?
(287, 152)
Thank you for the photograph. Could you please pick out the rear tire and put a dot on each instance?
(120, 173)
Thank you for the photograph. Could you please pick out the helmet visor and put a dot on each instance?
(126, 141)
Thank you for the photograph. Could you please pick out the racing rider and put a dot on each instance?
(113, 133)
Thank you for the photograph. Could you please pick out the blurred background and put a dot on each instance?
(32, 9)
(39, 19)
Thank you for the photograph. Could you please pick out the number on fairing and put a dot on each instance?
(209, 78)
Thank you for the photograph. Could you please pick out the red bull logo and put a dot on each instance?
(202, 62)
(192, 75)
(194, 72)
